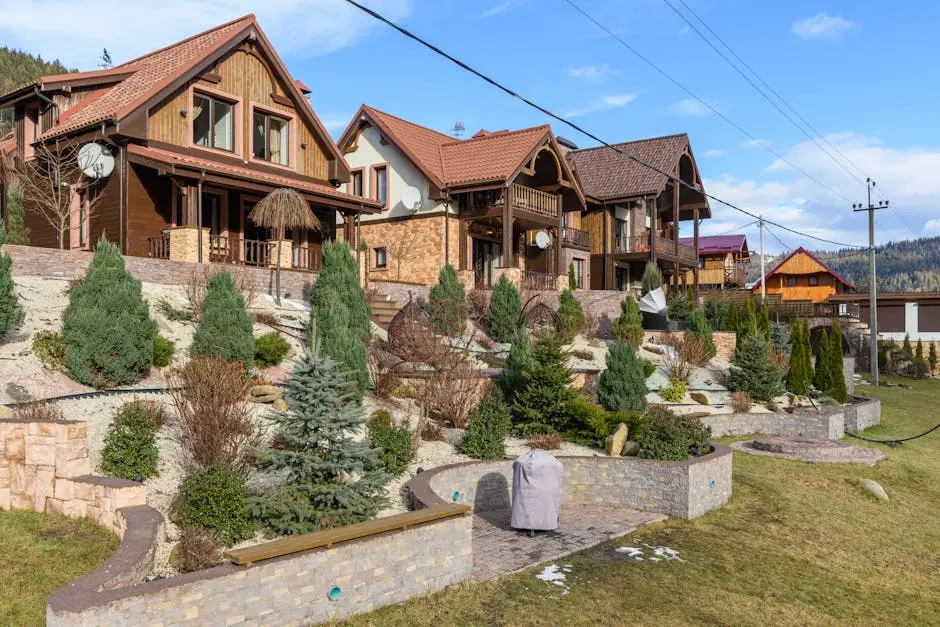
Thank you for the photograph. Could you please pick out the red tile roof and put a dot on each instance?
(421, 144)
(714, 244)
(811, 256)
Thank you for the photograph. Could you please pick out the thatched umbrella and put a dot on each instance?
(280, 210)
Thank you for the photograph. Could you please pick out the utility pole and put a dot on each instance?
(872, 279)
(763, 275)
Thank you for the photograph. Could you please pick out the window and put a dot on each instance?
(213, 122)
(355, 183)
(578, 272)
(270, 139)
(381, 258)
(791, 281)
(814, 281)
(381, 184)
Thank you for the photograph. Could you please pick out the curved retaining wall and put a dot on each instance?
(829, 423)
(685, 489)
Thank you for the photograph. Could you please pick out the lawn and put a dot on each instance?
(798, 544)
(39, 553)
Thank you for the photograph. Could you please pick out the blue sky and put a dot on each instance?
(861, 73)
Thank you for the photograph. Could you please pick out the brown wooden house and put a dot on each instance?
(199, 131)
(803, 276)
(634, 213)
(722, 261)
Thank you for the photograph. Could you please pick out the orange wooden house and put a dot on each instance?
(803, 276)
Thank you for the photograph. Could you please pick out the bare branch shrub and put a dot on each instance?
(215, 423)
(38, 412)
(694, 349)
(591, 323)
(195, 287)
(402, 247)
(478, 301)
(545, 441)
(741, 402)
(198, 549)
(454, 390)
(384, 369)
(266, 317)
(677, 364)
(432, 432)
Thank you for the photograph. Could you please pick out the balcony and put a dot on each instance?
(537, 281)
(641, 244)
(237, 251)
(573, 238)
(534, 201)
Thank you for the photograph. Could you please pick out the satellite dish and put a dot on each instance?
(95, 160)
(543, 240)
(411, 198)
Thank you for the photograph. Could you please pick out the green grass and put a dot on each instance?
(798, 544)
(39, 553)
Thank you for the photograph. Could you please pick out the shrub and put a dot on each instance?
(763, 322)
(342, 344)
(545, 441)
(717, 311)
(394, 442)
(215, 500)
(380, 419)
(932, 356)
(572, 279)
(582, 354)
(668, 436)
(700, 328)
(198, 549)
(324, 486)
(49, 348)
(215, 424)
(628, 327)
(822, 379)
(505, 311)
(383, 370)
(570, 317)
(17, 232)
(195, 288)
(837, 388)
(11, 312)
(163, 350)
(734, 318)
(674, 392)
(510, 379)
(587, 422)
(680, 306)
(752, 369)
(225, 329)
(453, 389)
(797, 374)
(270, 349)
(652, 278)
(447, 303)
(130, 446)
(268, 318)
(546, 391)
(490, 423)
(747, 325)
(106, 327)
(699, 398)
(648, 368)
(622, 386)
(432, 432)
(906, 346)
(780, 338)
(172, 313)
(40, 411)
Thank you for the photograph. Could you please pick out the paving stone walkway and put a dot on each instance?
(499, 550)
(810, 450)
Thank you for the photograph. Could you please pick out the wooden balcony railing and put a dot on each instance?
(306, 259)
(160, 246)
(534, 201)
(641, 244)
(538, 281)
(573, 238)
(242, 252)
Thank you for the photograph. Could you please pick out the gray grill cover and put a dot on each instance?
(536, 491)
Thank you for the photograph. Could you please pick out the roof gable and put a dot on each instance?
(801, 261)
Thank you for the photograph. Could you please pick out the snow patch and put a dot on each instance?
(555, 575)
(660, 553)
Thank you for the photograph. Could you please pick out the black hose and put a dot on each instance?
(893, 442)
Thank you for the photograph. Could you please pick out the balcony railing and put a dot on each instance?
(836, 310)
(160, 246)
(573, 238)
(306, 259)
(534, 201)
(538, 281)
(641, 244)
(243, 252)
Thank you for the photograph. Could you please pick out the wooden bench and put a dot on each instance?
(327, 538)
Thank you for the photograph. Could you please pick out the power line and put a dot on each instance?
(576, 127)
(705, 104)
(779, 241)
(731, 230)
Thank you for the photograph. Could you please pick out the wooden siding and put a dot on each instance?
(828, 285)
(106, 216)
(245, 76)
(801, 263)
(149, 203)
(593, 223)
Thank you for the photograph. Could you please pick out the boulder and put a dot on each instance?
(176, 556)
(630, 449)
(874, 488)
(266, 390)
(614, 442)
(270, 398)
(454, 436)
(279, 404)
(5, 413)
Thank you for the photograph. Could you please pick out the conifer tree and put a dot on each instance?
(797, 374)
(700, 328)
(331, 477)
(447, 303)
(734, 318)
(747, 325)
(569, 317)
(17, 231)
(752, 369)
(541, 406)
(919, 351)
(572, 279)
(225, 328)
(652, 278)
(932, 356)
(822, 378)
(505, 311)
(807, 353)
(906, 346)
(106, 328)
(622, 386)
(11, 313)
(763, 323)
(510, 379)
(628, 327)
(837, 388)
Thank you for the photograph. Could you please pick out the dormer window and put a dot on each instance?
(270, 138)
(213, 122)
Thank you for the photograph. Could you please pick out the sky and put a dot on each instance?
(860, 73)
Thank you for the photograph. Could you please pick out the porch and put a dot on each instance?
(179, 244)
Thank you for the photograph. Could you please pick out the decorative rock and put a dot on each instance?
(266, 390)
(5, 413)
(630, 449)
(615, 441)
(280, 404)
(176, 556)
(874, 488)
(454, 436)
(269, 398)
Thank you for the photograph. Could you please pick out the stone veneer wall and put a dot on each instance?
(828, 424)
(423, 240)
(371, 572)
(862, 413)
(72, 264)
(685, 489)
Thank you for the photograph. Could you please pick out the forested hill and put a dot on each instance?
(18, 68)
(905, 266)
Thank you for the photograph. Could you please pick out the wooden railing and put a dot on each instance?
(538, 281)
(534, 201)
(836, 310)
(641, 244)
(242, 252)
(160, 246)
(306, 259)
(573, 238)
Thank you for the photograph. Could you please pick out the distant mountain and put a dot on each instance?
(18, 68)
(905, 266)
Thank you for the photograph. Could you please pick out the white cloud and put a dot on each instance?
(335, 122)
(684, 31)
(715, 152)
(501, 8)
(591, 73)
(932, 226)
(755, 143)
(75, 31)
(605, 103)
(822, 26)
(693, 108)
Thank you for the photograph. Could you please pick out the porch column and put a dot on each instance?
(349, 230)
(561, 221)
(508, 252)
(462, 245)
(675, 216)
(653, 211)
(695, 243)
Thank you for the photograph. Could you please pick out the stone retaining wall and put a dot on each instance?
(828, 424)
(862, 413)
(72, 264)
(370, 573)
(685, 489)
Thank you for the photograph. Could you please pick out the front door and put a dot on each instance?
(486, 258)
(623, 279)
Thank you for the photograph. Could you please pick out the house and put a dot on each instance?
(199, 131)
(722, 261)
(803, 276)
(915, 314)
(633, 212)
(501, 202)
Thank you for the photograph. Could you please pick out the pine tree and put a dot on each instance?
(734, 318)
(569, 317)
(752, 369)
(339, 312)
(763, 323)
(796, 375)
(572, 279)
(331, 477)
(11, 313)
(700, 328)
(447, 303)
(837, 388)
(510, 379)
(747, 325)
(906, 346)
(932, 356)
(505, 311)
(490, 423)
(541, 406)
(622, 386)
(919, 351)
(628, 327)
(225, 328)
(807, 353)
(17, 231)
(106, 328)
(652, 278)
(822, 378)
